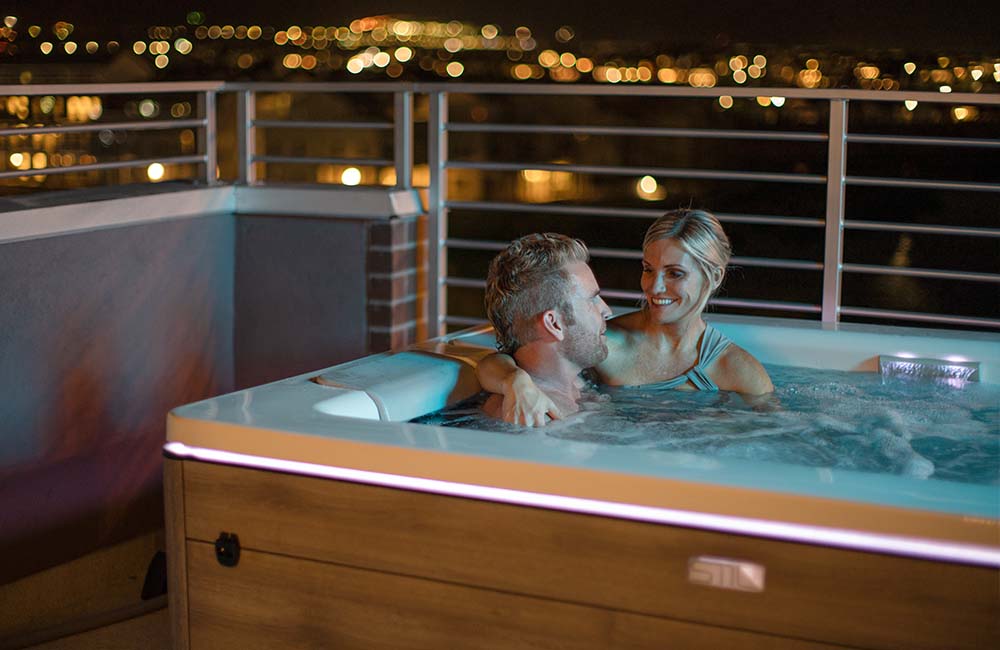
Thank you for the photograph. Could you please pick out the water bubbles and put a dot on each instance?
(831, 420)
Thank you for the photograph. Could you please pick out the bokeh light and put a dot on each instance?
(351, 176)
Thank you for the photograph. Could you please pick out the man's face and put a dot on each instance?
(585, 344)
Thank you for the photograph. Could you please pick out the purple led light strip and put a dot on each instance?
(803, 533)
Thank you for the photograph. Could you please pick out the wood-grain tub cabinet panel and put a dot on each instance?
(273, 601)
(817, 593)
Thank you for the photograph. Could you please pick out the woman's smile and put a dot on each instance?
(662, 302)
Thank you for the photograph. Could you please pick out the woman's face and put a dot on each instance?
(672, 281)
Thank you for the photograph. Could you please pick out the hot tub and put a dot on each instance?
(309, 513)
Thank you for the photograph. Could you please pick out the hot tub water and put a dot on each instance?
(821, 418)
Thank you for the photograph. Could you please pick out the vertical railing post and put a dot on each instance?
(208, 146)
(833, 250)
(437, 211)
(403, 138)
(246, 136)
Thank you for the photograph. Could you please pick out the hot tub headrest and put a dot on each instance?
(404, 385)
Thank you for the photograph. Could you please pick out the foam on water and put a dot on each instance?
(820, 418)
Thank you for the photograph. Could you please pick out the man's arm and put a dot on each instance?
(523, 402)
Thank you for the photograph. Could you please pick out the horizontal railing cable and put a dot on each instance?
(641, 131)
(921, 141)
(920, 183)
(465, 321)
(466, 283)
(618, 253)
(618, 294)
(776, 305)
(889, 226)
(118, 164)
(306, 160)
(106, 126)
(744, 303)
(319, 124)
(663, 172)
(638, 213)
(765, 262)
(141, 88)
(919, 316)
(548, 208)
(920, 273)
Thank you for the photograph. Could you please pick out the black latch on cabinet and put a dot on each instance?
(227, 549)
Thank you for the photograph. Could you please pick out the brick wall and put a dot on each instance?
(396, 267)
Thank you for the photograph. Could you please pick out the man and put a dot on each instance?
(546, 309)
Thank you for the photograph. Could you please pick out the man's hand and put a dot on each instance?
(525, 404)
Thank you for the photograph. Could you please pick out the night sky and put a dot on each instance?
(916, 26)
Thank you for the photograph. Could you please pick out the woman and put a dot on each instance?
(667, 343)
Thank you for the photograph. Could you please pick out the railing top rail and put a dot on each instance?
(634, 90)
(111, 88)
(617, 90)
(323, 86)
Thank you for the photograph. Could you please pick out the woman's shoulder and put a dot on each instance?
(738, 370)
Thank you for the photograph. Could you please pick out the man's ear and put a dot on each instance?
(552, 323)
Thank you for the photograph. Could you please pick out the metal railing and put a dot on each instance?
(248, 126)
(204, 122)
(834, 182)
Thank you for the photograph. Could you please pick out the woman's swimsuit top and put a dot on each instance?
(713, 343)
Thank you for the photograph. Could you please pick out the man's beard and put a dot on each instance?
(585, 349)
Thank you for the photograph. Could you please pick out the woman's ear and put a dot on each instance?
(552, 323)
(718, 273)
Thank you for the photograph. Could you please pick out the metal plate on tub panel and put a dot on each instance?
(724, 573)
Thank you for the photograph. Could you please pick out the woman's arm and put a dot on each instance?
(523, 402)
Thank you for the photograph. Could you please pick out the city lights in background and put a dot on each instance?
(391, 47)
(351, 176)
(396, 48)
(648, 189)
(155, 172)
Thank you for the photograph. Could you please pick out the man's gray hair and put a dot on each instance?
(527, 278)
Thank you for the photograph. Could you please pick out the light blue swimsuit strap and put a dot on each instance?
(713, 343)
